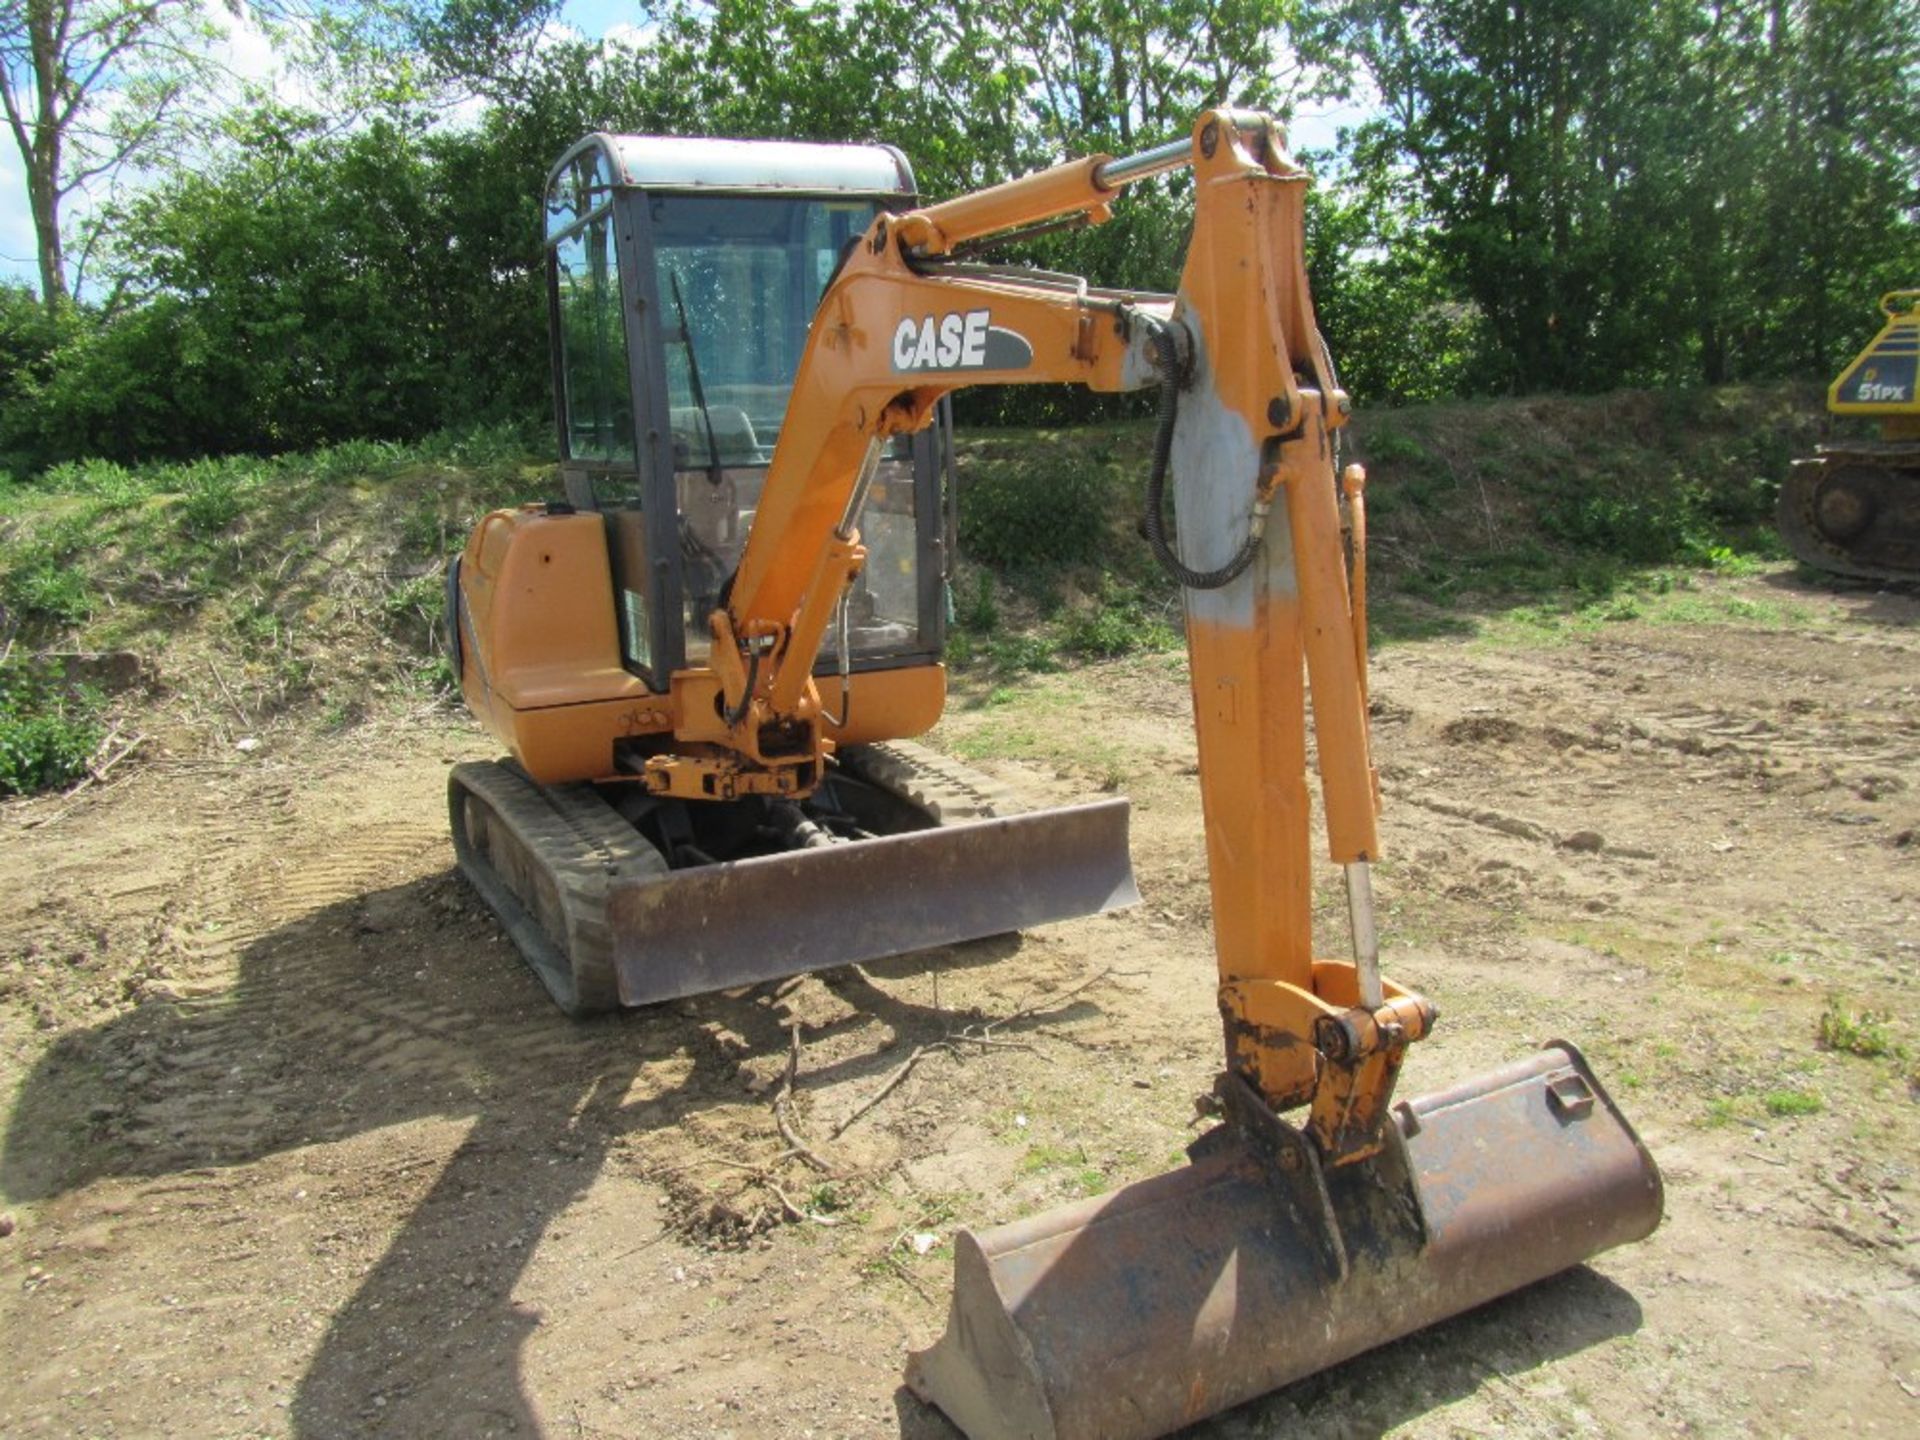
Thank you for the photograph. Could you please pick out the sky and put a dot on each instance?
(249, 54)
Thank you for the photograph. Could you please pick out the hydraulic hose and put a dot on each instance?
(1166, 359)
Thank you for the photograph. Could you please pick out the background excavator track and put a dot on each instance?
(1887, 546)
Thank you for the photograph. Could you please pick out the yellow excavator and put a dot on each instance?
(1854, 507)
(709, 660)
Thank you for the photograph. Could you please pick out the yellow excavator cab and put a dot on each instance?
(1884, 378)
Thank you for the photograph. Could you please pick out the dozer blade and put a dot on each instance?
(721, 926)
(1137, 1313)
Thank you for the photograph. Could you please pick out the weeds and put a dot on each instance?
(48, 729)
(1050, 509)
(1120, 620)
(1784, 1104)
(1856, 1032)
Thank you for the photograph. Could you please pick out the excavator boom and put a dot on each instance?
(1283, 1247)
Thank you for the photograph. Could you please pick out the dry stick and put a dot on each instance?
(1050, 1002)
(759, 1171)
(794, 1210)
(782, 1098)
(100, 772)
(983, 1037)
(892, 1083)
(245, 720)
(94, 776)
(892, 1263)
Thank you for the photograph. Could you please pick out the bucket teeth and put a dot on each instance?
(1132, 1315)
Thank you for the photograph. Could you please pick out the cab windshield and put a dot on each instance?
(739, 277)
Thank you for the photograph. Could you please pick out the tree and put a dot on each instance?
(1681, 190)
(89, 87)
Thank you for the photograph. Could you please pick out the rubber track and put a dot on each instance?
(944, 788)
(583, 848)
(1794, 511)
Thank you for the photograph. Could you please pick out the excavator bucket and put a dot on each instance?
(1134, 1314)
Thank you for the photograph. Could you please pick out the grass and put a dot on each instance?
(49, 727)
(1522, 523)
(1787, 1103)
(311, 582)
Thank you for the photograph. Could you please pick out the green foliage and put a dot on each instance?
(980, 613)
(210, 498)
(1856, 1032)
(1017, 516)
(48, 730)
(1639, 193)
(1791, 1102)
(1120, 620)
(41, 585)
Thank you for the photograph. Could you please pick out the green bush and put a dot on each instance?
(209, 495)
(1649, 528)
(354, 460)
(41, 584)
(48, 731)
(1119, 621)
(1017, 517)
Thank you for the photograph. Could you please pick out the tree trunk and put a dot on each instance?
(47, 24)
(45, 204)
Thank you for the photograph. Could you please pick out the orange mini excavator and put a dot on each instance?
(705, 662)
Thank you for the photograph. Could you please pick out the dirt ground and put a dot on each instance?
(295, 1147)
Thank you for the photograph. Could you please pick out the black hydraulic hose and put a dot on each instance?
(734, 716)
(1166, 355)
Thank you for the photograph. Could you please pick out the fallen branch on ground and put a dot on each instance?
(979, 1033)
(94, 776)
(783, 1099)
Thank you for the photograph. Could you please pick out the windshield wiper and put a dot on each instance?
(715, 476)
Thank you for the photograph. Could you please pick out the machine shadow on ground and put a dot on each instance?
(401, 1005)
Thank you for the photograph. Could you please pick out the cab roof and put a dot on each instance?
(673, 162)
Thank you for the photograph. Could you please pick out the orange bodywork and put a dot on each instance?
(537, 603)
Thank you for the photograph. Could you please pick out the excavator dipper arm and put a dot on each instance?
(1281, 1249)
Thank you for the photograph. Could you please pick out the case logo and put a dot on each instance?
(958, 341)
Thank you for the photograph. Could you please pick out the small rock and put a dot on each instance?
(8, 1225)
(924, 1242)
(246, 746)
(1141, 1082)
(1587, 841)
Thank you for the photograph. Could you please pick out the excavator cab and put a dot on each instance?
(683, 277)
(645, 840)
